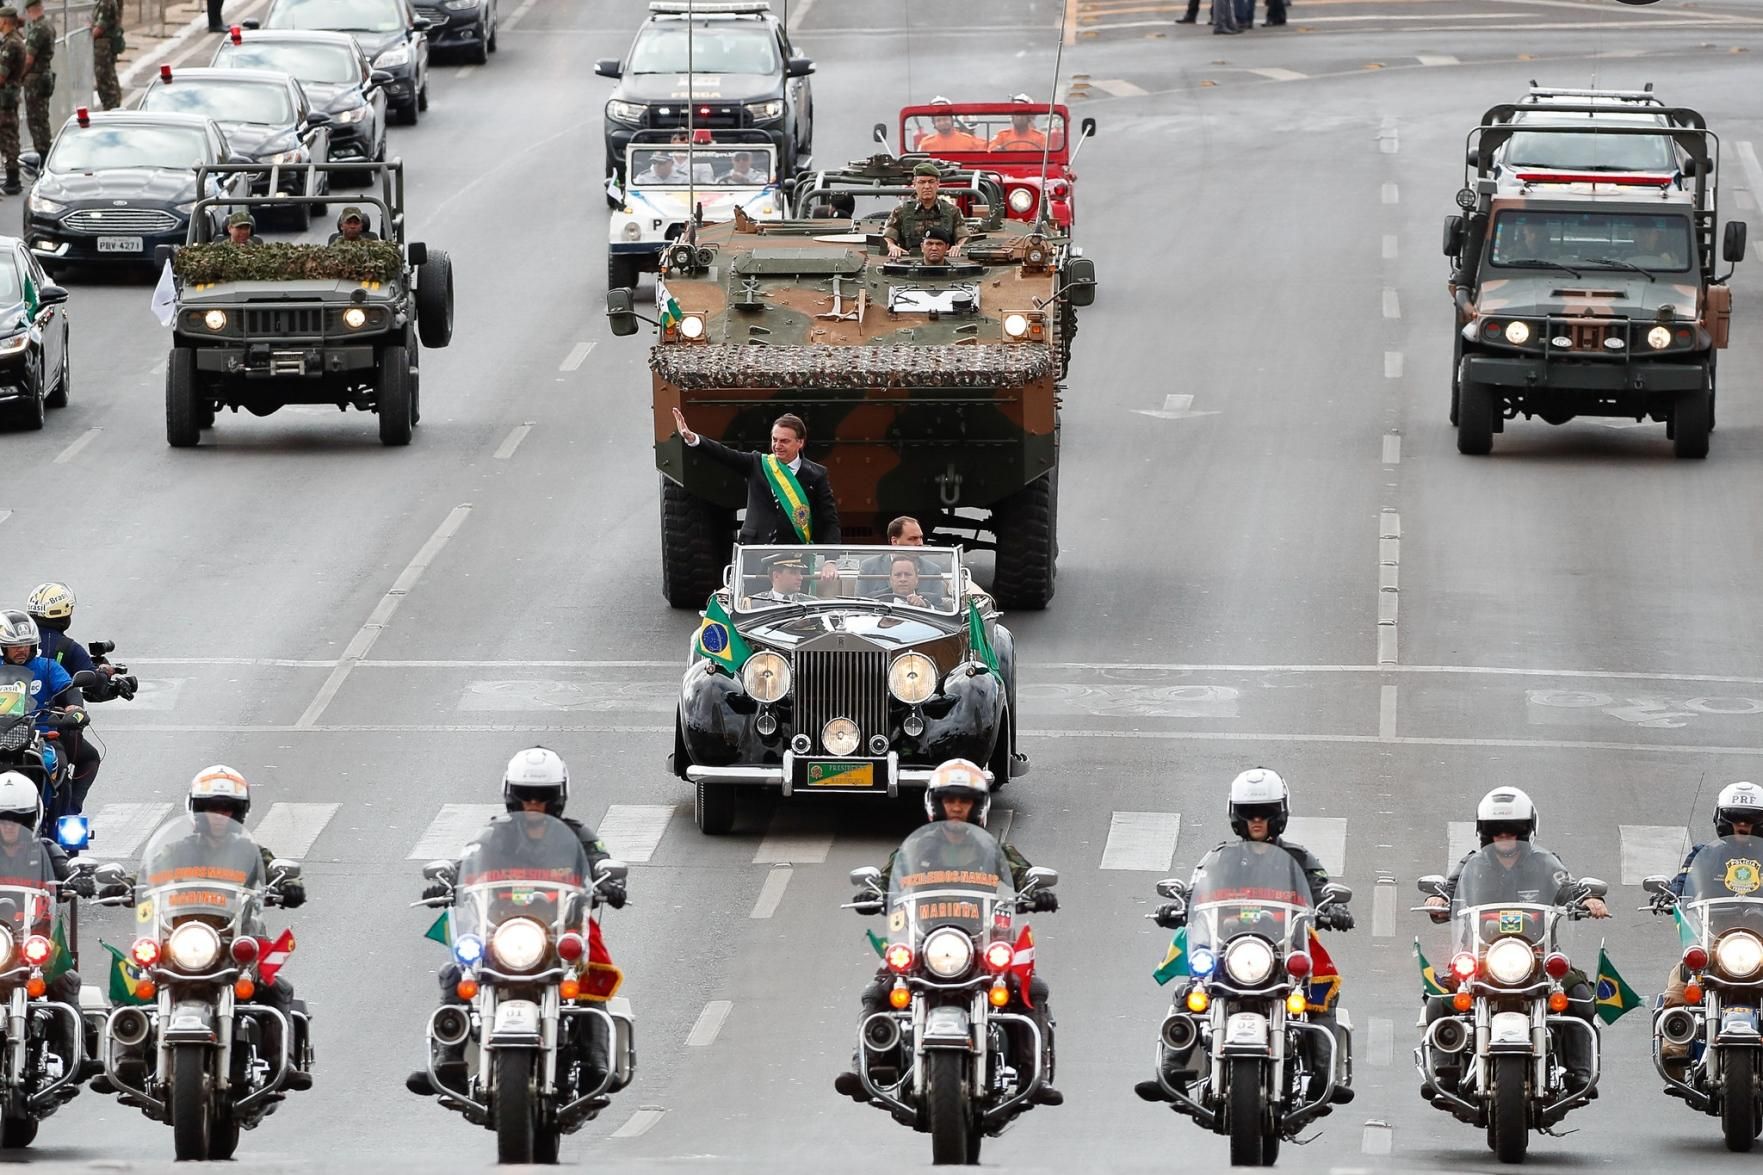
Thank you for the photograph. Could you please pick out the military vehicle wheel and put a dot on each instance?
(1456, 370)
(713, 807)
(1692, 416)
(695, 537)
(393, 396)
(434, 299)
(622, 272)
(1028, 554)
(1475, 419)
(182, 413)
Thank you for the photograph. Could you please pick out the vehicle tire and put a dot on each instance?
(17, 1132)
(974, 1138)
(545, 1143)
(406, 114)
(183, 426)
(31, 413)
(58, 397)
(490, 41)
(946, 1106)
(422, 95)
(514, 1106)
(1509, 1116)
(695, 539)
(434, 300)
(1456, 371)
(479, 54)
(190, 1089)
(223, 1136)
(1247, 1108)
(1692, 416)
(622, 272)
(392, 396)
(1028, 555)
(713, 807)
(1475, 419)
(1738, 1107)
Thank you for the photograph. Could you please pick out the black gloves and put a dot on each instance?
(68, 718)
(1171, 917)
(1044, 901)
(435, 889)
(81, 884)
(1335, 918)
(293, 894)
(866, 903)
(614, 894)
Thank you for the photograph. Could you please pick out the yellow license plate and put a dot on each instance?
(852, 775)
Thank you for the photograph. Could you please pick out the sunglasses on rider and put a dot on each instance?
(1257, 811)
(1507, 828)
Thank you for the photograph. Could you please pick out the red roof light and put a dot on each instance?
(84, 115)
(165, 72)
(238, 35)
(1630, 181)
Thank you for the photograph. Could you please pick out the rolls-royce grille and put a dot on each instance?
(842, 685)
(285, 321)
(120, 220)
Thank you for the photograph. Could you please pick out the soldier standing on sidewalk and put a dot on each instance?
(107, 42)
(39, 75)
(12, 54)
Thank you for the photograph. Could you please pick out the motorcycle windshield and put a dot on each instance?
(1723, 889)
(202, 866)
(949, 873)
(16, 706)
(1245, 888)
(1507, 895)
(524, 865)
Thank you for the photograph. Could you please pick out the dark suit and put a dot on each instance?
(766, 521)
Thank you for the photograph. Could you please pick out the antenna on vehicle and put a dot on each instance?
(1041, 216)
(691, 230)
(1697, 798)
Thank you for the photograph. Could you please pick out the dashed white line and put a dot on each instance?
(465, 71)
(1391, 245)
(1142, 841)
(577, 355)
(795, 836)
(709, 1023)
(118, 829)
(4, 515)
(1386, 712)
(1391, 194)
(514, 18)
(1392, 303)
(1388, 137)
(1392, 448)
(1649, 848)
(1382, 1041)
(451, 829)
(772, 892)
(632, 832)
(1119, 87)
(1379, 1138)
(288, 830)
(1392, 365)
(1436, 59)
(1274, 74)
(1389, 560)
(1383, 908)
(644, 1120)
(512, 442)
(73, 450)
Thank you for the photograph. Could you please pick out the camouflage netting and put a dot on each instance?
(379, 261)
(942, 366)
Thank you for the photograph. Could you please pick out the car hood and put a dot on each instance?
(1600, 293)
(329, 96)
(267, 293)
(373, 44)
(899, 630)
(711, 87)
(761, 203)
(251, 138)
(172, 185)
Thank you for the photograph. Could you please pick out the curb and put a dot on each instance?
(198, 26)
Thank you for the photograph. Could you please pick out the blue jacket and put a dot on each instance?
(50, 681)
(65, 651)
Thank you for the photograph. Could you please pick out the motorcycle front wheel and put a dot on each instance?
(514, 1106)
(189, 1102)
(1738, 1109)
(1248, 1106)
(17, 1132)
(1509, 1117)
(947, 1096)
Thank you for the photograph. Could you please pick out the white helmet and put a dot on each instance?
(1505, 807)
(1022, 98)
(537, 773)
(1259, 792)
(961, 778)
(1738, 801)
(20, 801)
(219, 789)
(939, 100)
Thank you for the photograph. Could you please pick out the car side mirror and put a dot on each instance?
(621, 312)
(1086, 129)
(421, 24)
(318, 118)
(1472, 155)
(1173, 888)
(164, 253)
(1338, 892)
(51, 295)
(1592, 887)
(438, 871)
(799, 67)
(1080, 281)
(30, 161)
(1732, 248)
(80, 866)
(867, 875)
(286, 868)
(252, 23)
(111, 873)
(418, 252)
(85, 677)
(1453, 238)
(607, 67)
(1657, 883)
(1430, 884)
(611, 869)
(1040, 877)
(1689, 167)
(380, 77)
(879, 132)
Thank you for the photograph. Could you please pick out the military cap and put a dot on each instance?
(938, 233)
(927, 169)
(352, 213)
(239, 217)
(785, 560)
(8, 12)
(30, 4)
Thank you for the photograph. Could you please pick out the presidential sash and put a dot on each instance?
(788, 492)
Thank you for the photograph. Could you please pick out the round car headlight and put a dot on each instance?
(632, 231)
(841, 737)
(1510, 961)
(948, 953)
(1016, 325)
(1659, 338)
(766, 677)
(1739, 955)
(215, 320)
(5, 945)
(1021, 200)
(518, 944)
(912, 678)
(1248, 961)
(1517, 333)
(194, 946)
(691, 327)
(354, 318)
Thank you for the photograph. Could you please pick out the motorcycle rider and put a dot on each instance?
(536, 780)
(1260, 806)
(51, 606)
(957, 791)
(29, 860)
(1504, 818)
(51, 686)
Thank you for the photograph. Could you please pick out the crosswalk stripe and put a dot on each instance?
(119, 829)
(1119, 87)
(792, 838)
(632, 831)
(1142, 841)
(453, 826)
(1326, 836)
(288, 830)
(1459, 843)
(1652, 848)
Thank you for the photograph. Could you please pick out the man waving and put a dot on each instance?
(789, 498)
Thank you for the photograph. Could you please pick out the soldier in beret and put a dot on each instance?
(241, 229)
(12, 70)
(923, 210)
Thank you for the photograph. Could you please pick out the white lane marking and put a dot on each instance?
(1391, 245)
(795, 836)
(1379, 1138)
(1386, 646)
(798, 12)
(1753, 170)
(1142, 841)
(448, 833)
(1392, 304)
(1383, 908)
(1389, 559)
(4, 515)
(1386, 712)
(1392, 365)
(1177, 406)
(1382, 1041)
(641, 1122)
(1389, 524)
(1435, 59)
(1392, 448)
(465, 71)
(709, 1023)
(1391, 194)
(1326, 836)
(512, 442)
(1652, 848)
(633, 831)
(73, 450)
(771, 894)
(1459, 843)
(261, 662)
(288, 830)
(119, 829)
(1274, 74)
(1388, 137)
(383, 612)
(577, 356)
(514, 19)
(1119, 87)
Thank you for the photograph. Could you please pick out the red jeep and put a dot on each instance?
(1009, 138)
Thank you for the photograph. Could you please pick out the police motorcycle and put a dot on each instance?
(1506, 1019)
(194, 1053)
(946, 1058)
(521, 899)
(26, 749)
(1716, 1029)
(1262, 1067)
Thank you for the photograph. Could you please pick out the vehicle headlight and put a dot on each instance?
(1016, 325)
(194, 946)
(948, 953)
(1659, 338)
(1021, 200)
(215, 320)
(632, 231)
(519, 944)
(766, 677)
(841, 737)
(297, 155)
(766, 111)
(1517, 333)
(1510, 961)
(12, 345)
(5, 945)
(460, 5)
(692, 326)
(1248, 961)
(395, 56)
(46, 206)
(354, 318)
(1739, 955)
(912, 678)
(352, 115)
(625, 111)
(186, 209)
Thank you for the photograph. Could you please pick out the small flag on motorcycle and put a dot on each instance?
(439, 932)
(1175, 962)
(1429, 978)
(124, 978)
(877, 943)
(1615, 998)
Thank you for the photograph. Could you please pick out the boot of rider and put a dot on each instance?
(1576, 1058)
(596, 1054)
(873, 1000)
(1046, 1095)
(449, 1067)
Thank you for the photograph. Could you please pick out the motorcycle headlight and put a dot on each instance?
(518, 944)
(12, 346)
(1739, 955)
(46, 206)
(1510, 961)
(1248, 961)
(841, 737)
(766, 111)
(912, 678)
(1517, 333)
(352, 115)
(766, 677)
(392, 58)
(1659, 338)
(1021, 200)
(625, 111)
(193, 946)
(5, 945)
(948, 953)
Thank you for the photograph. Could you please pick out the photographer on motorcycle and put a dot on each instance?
(51, 687)
(51, 606)
(957, 791)
(536, 780)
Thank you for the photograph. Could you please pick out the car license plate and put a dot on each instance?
(856, 776)
(119, 244)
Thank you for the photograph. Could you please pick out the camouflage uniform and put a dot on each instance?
(908, 223)
(107, 42)
(12, 53)
(39, 80)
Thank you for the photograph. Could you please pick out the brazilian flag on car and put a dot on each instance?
(718, 640)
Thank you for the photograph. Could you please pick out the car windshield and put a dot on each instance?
(1588, 150)
(347, 16)
(725, 166)
(10, 289)
(717, 47)
(103, 148)
(1005, 134)
(329, 64)
(230, 101)
(1592, 240)
(924, 578)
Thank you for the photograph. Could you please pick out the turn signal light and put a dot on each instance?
(898, 957)
(1692, 993)
(466, 989)
(999, 994)
(1000, 955)
(1463, 1001)
(1296, 1003)
(37, 950)
(244, 950)
(1463, 965)
(1557, 1002)
(570, 947)
(1198, 1000)
(145, 952)
(569, 989)
(1556, 965)
(146, 989)
(34, 986)
(900, 996)
(1298, 964)
(1695, 958)
(243, 988)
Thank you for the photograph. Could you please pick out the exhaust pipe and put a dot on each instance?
(1448, 1036)
(129, 1027)
(1179, 1033)
(449, 1026)
(881, 1034)
(1678, 1026)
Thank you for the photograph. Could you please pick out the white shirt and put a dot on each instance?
(794, 466)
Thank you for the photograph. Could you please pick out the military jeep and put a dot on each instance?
(263, 326)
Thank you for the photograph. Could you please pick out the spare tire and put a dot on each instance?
(434, 299)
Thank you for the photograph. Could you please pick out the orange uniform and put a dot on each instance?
(951, 141)
(1011, 139)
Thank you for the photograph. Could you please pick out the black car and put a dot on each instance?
(33, 338)
(337, 77)
(389, 31)
(747, 77)
(468, 26)
(117, 184)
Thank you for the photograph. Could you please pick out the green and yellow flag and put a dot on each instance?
(31, 302)
(980, 644)
(666, 309)
(62, 961)
(441, 931)
(877, 943)
(1175, 962)
(718, 640)
(1614, 997)
(788, 492)
(1430, 984)
(124, 979)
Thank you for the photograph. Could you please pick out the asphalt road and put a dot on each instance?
(369, 633)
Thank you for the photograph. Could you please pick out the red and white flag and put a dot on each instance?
(273, 954)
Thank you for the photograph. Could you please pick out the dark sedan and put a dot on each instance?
(336, 75)
(464, 26)
(33, 338)
(388, 31)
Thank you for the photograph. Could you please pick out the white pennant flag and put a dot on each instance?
(165, 297)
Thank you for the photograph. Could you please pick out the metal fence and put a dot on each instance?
(73, 59)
